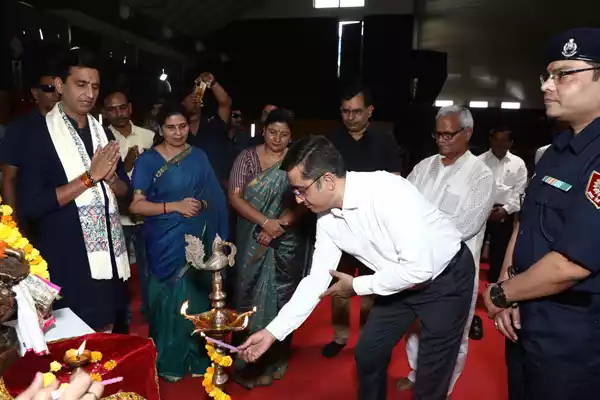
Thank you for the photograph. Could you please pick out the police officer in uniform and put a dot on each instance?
(549, 299)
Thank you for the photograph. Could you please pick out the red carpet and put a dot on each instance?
(312, 376)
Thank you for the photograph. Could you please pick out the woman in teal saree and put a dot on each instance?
(177, 192)
(272, 248)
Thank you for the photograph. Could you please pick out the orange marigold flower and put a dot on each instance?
(96, 377)
(110, 365)
(96, 356)
(28, 248)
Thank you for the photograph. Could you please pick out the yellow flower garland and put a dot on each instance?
(216, 358)
(10, 235)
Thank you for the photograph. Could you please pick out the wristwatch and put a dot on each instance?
(498, 297)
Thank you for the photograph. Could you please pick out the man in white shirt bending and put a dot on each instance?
(133, 140)
(461, 187)
(421, 268)
(510, 176)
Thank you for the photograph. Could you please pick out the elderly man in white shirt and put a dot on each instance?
(461, 187)
(510, 176)
(422, 269)
(133, 140)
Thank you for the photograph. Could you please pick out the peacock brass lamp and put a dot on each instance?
(218, 322)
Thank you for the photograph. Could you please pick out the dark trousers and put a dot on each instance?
(560, 337)
(499, 234)
(443, 307)
(133, 235)
(515, 363)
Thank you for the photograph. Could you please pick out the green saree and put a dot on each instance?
(267, 277)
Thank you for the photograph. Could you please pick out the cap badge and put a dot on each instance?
(570, 48)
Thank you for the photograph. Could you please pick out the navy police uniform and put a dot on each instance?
(560, 334)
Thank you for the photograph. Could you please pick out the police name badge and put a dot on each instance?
(592, 190)
(557, 183)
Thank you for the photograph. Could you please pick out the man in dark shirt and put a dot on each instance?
(15, 146)
(69, 180)
(211, 134)
(363, 150)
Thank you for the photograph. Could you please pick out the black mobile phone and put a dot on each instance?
(274, 244)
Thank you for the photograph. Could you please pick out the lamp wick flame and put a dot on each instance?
(184, 308)
(81, 348)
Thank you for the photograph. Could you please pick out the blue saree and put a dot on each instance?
(188, 174)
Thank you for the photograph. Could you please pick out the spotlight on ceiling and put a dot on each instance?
(478, 104)
(510, 105)
(444, 103)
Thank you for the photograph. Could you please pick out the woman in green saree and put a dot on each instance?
(272, 247)
(178, 193)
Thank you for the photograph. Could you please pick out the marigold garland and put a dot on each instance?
(216, 358)
(11, 237)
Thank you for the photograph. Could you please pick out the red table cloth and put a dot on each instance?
(135, 359)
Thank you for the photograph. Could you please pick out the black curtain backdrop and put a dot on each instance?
(387, 59)
(291, 63)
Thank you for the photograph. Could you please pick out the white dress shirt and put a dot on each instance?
(510, 175)
(140, 137)
(387, 225)
(463, 191)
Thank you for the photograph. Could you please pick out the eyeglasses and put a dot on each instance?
(302, 192)
(446, 135)
(47, 88)
(557, 75)
(236, 116)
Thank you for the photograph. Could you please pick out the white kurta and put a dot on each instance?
(464, 192)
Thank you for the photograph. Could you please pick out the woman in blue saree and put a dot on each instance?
(272, 246)
(177, 192)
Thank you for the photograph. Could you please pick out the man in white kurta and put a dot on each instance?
(461, 186)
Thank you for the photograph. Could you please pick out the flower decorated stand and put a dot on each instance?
(126, 364)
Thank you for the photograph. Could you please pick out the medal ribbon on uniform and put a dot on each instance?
(557, 183)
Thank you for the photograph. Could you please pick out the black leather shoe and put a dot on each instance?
(332, 349)
(476, 331)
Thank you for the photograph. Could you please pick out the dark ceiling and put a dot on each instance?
(495, 47)
(196, 18)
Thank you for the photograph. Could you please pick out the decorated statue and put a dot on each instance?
(24, 286)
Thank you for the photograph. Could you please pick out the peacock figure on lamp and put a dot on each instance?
(218, 322)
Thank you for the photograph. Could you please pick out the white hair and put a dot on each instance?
(464, 115)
